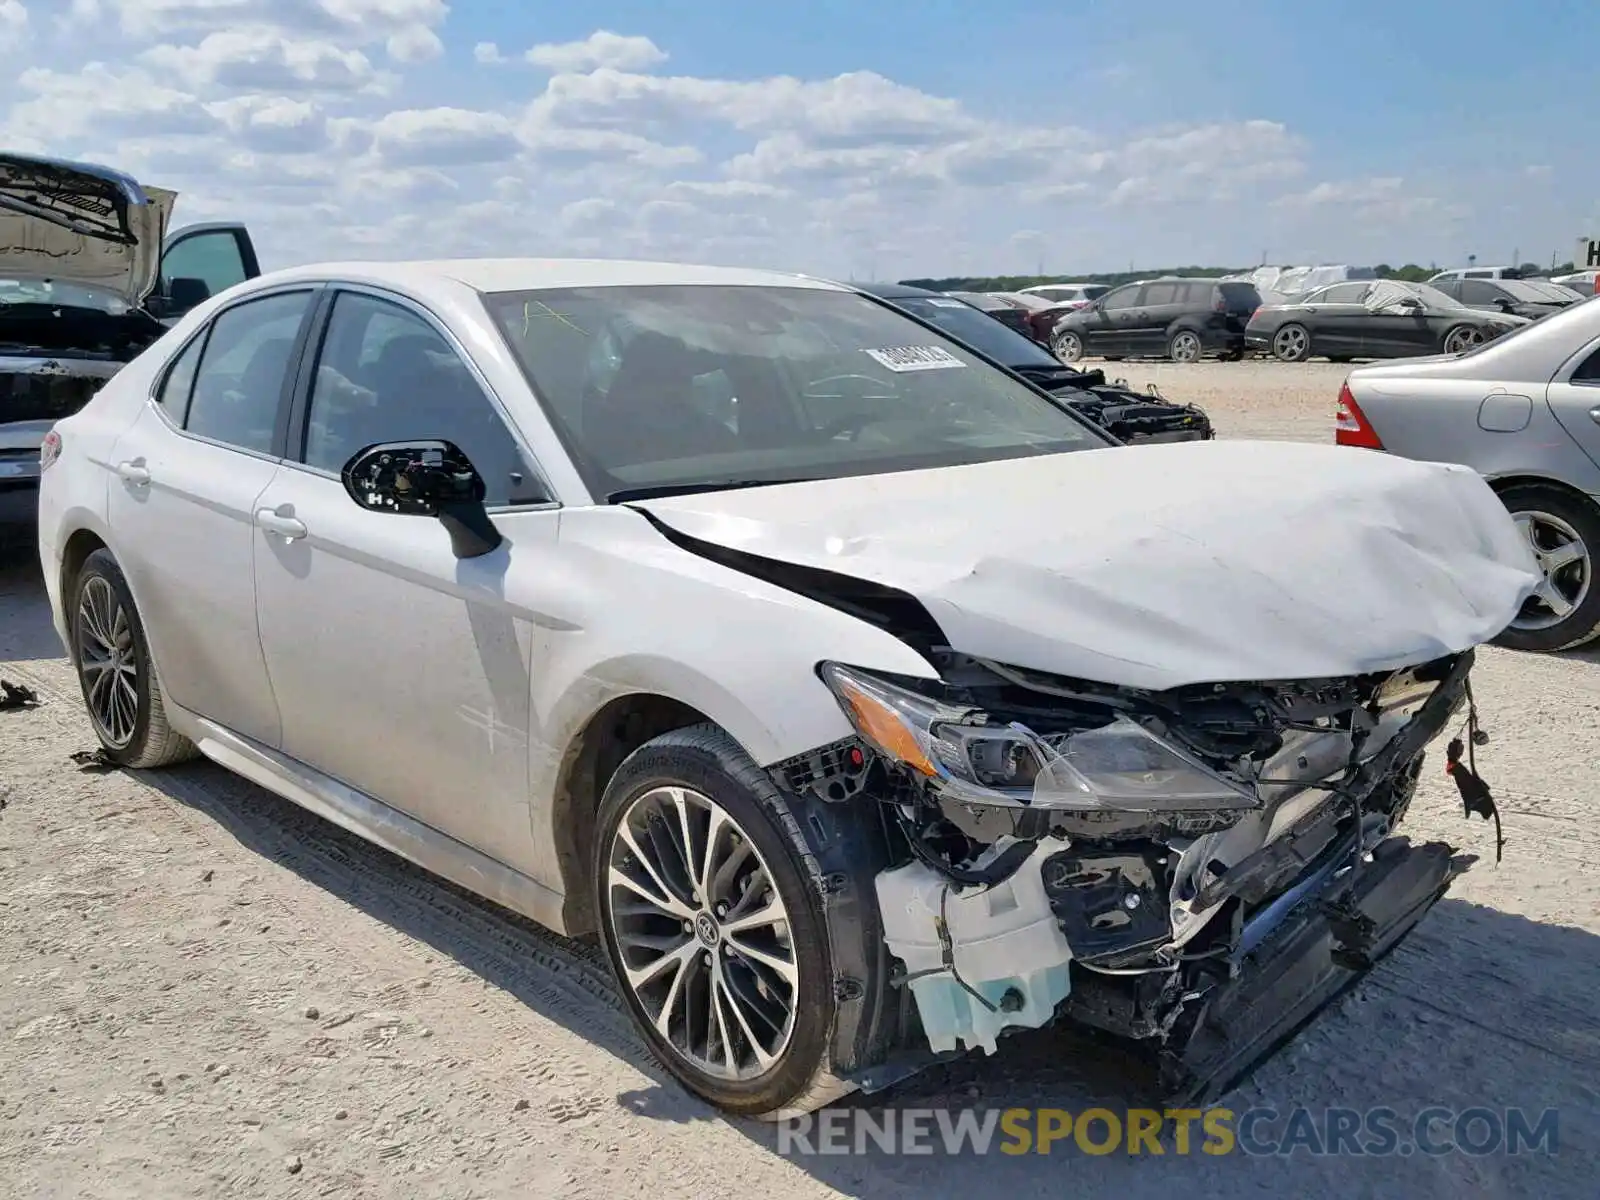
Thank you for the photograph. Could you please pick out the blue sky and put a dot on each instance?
(863, 139)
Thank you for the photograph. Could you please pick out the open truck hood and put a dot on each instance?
(1160, 566)
(83, 224)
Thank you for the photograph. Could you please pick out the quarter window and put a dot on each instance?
(179, 382)
(239, 387)
(1588, 371)
(386, 375)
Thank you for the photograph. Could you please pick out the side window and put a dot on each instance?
(1450, 287)
(1588, 371)
(214, 258)
(1124, 297)
(1343, 293)
(1475, 291)
(239, 385)
(179, 382)
(1162, 293)
(386, 375)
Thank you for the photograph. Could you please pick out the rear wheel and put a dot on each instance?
(713, 927)
(1184, 346)
(1563, 531)
(1291, 344)
(116, 672)
(1463, 337)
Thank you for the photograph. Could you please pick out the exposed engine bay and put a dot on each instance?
(1127, 415)
(1199, 870)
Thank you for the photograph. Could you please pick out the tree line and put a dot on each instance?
(1410, 273)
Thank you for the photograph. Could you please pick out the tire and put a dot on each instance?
(1555, 519)
(1291, 344)
(1461, 337)
(1185, 347)
(1068, 347)
(706, 767)
(131, 722)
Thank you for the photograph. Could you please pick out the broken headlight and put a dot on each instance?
(1119, 766)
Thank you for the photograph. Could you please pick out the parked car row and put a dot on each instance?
(1185, 320)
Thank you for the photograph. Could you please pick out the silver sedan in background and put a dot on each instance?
(1524, 411)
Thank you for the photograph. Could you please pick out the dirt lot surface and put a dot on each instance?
(206, 992)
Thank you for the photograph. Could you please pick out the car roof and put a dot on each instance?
(526, 274)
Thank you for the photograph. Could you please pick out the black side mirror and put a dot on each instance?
(425, 479)
(184, 293)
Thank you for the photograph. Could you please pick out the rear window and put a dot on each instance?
(1240, 297)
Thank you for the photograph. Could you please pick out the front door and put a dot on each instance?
(402, 670)
(188, 474)
(1110, 329)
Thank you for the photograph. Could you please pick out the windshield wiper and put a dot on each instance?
(658, 490)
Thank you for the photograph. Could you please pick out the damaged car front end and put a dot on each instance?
(1199, 870)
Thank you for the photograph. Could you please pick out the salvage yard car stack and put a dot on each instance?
(865, 700)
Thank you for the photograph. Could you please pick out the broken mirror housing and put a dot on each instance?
(1120, 766)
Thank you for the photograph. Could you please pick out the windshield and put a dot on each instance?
(695, 388)
(978, 330)
(71, 295)
(1524, 293)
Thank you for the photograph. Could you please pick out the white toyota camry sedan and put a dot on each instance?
(863, 701)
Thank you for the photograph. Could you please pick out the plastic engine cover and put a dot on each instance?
(1005, 945)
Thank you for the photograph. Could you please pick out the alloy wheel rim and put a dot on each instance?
(1067, 348)
(702, 934)
(1564, 562)
(1185, 347)
(1465, 339)
(1291, 343)
(108, 662)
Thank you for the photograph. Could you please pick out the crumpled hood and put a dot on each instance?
(83, 224)
(1159, 566)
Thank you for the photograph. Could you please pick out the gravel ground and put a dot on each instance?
(208, 992)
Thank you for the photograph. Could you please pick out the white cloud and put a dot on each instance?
(295, 114)
(600, 49)
(263, 59)
(13, 19)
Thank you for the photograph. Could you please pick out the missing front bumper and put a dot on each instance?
(1304, 967)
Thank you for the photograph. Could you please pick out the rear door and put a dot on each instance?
(198, 262)
(188, 473)
(1338, 321)
(1159, 310)
(1574, 396)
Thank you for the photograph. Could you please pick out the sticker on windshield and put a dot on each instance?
(916, 358)
(949, 303)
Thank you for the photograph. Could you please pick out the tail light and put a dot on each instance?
(1219, 305)
(1351, 427)
(49, 450)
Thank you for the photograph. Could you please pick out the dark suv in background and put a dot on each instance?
(1180, 319)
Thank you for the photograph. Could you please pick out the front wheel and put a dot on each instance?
(1068, 347)
(713, 926)
(116, 671)
(1563, 531)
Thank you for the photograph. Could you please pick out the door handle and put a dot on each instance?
(285, 526)
(134, 471)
